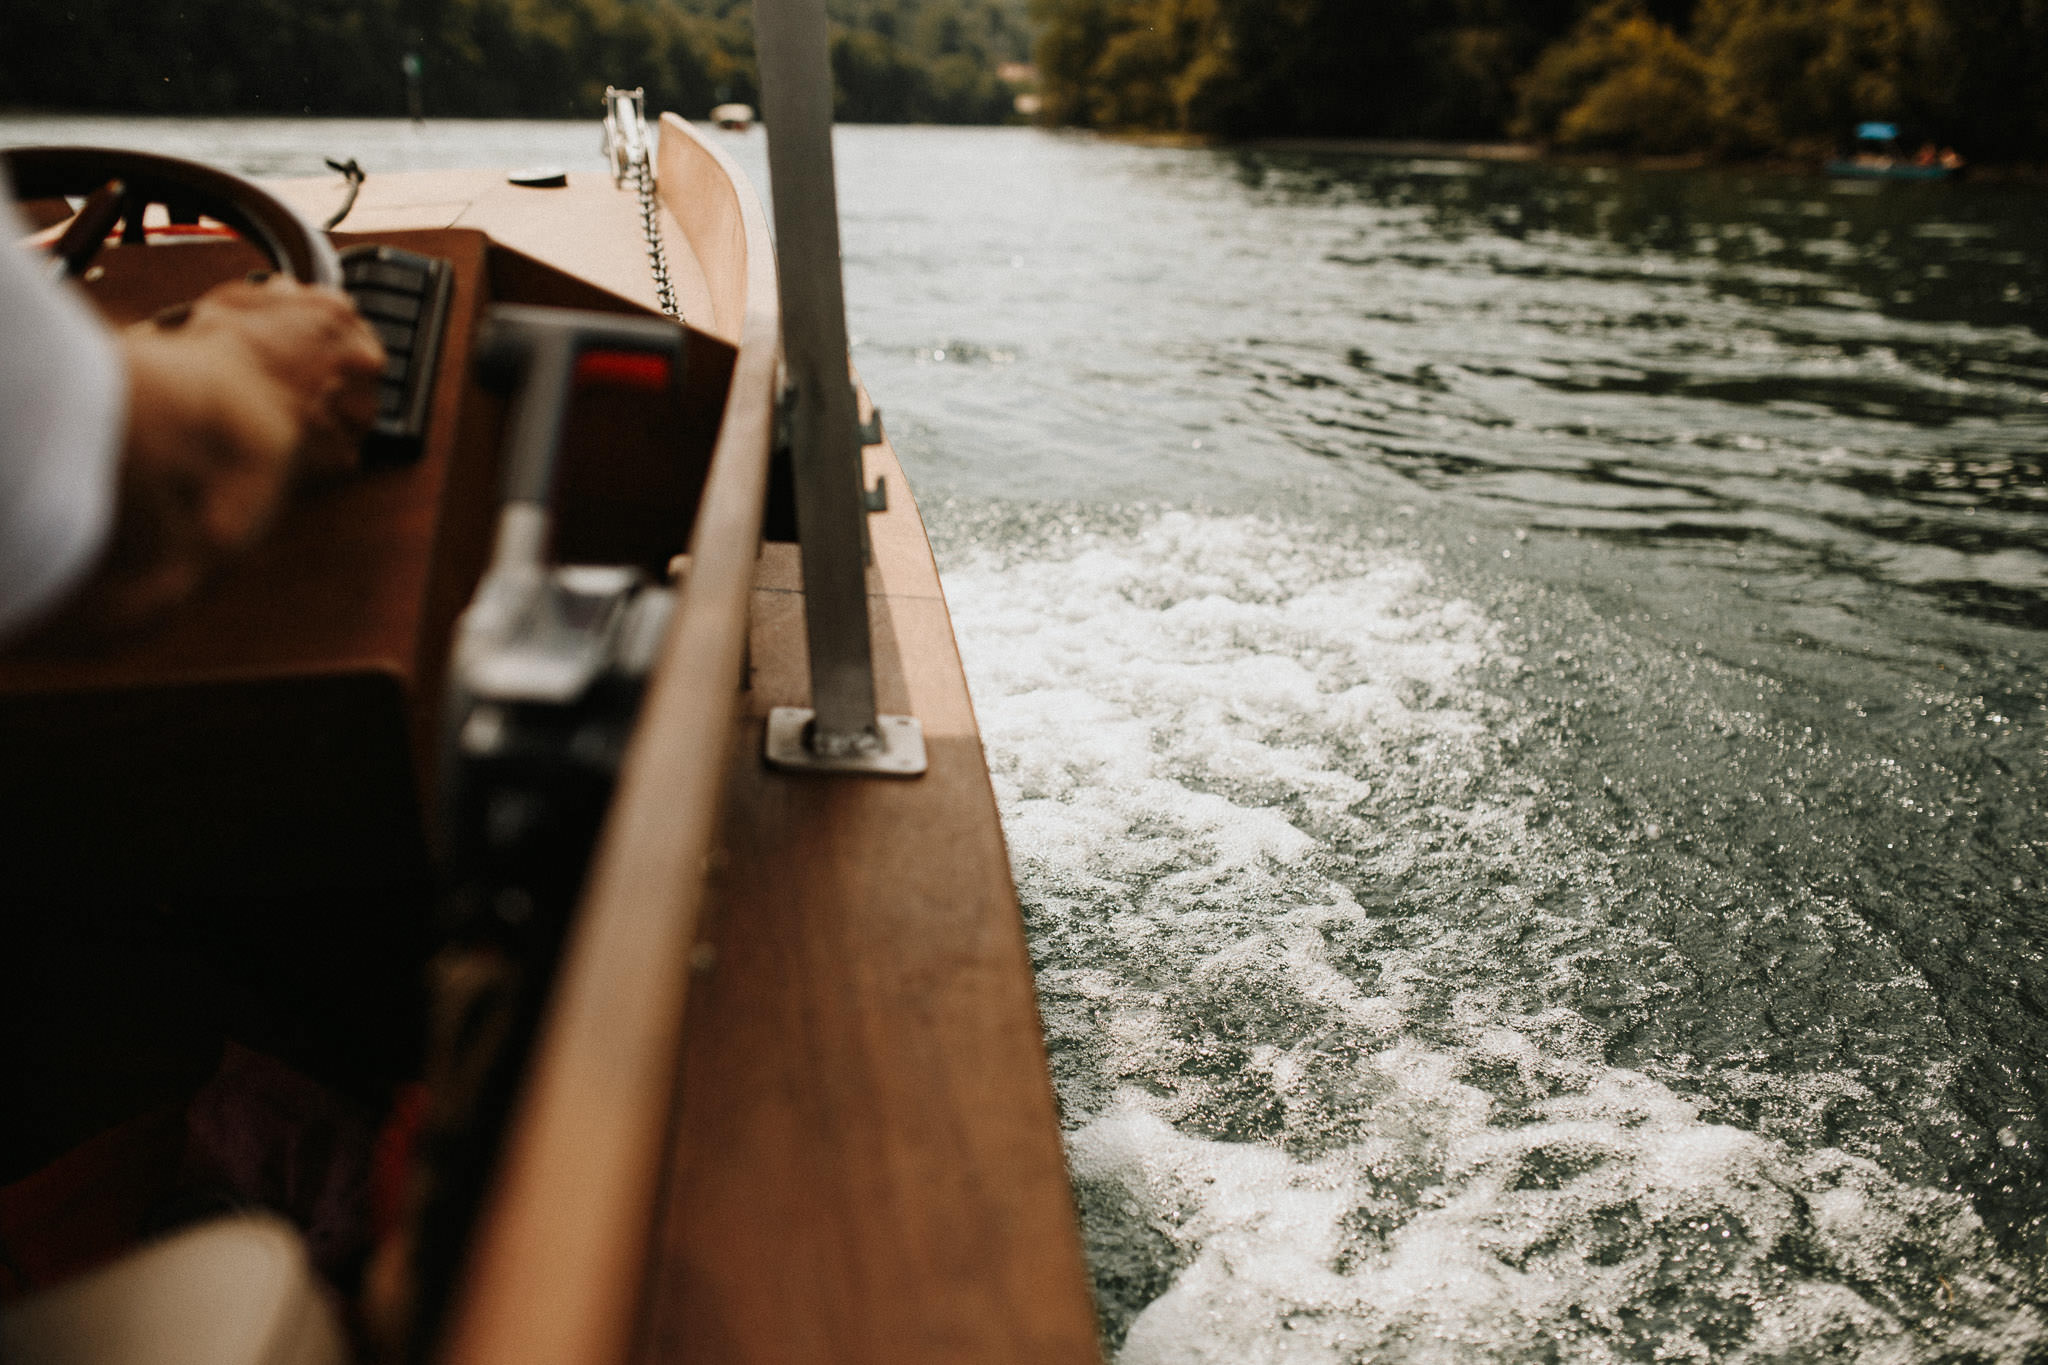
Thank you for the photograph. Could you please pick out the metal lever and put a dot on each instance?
(841, 731)
(505, 647)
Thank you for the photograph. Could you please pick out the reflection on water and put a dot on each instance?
(1806, 369)
(1517, 694)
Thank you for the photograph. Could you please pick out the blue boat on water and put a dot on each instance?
(1879, 156)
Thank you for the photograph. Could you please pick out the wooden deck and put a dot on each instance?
(588, 228)
(866, 1165)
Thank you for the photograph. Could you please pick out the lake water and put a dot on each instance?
(1517, 697)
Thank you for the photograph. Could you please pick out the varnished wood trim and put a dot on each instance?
(557, 1267)
(689, 171)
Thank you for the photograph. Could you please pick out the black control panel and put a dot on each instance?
(404, 297)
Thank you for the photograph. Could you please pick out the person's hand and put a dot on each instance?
(230, 400)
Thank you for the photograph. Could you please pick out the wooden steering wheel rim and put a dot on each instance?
(271, 225)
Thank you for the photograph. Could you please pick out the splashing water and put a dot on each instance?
(1314, 967)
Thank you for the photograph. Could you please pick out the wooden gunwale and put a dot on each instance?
(556, 1269)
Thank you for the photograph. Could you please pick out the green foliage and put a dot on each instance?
(1621, 80)
(1810, 68)
(1634, 75)
(879, 81)
(1071, 35)
(1999, 104)
(1441, 67)
(1752, 74)
(895, 60)
(1656, 98)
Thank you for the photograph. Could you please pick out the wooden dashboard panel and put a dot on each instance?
(279, 733)
(265, 736)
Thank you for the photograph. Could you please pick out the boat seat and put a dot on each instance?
(236, 1291)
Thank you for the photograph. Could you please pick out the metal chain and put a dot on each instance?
(631, 151)
(657, 250)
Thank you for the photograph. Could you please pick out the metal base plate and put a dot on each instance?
(901, 753)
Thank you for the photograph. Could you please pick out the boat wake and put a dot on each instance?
(1334, 1004)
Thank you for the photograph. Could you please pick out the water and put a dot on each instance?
(1517, 696)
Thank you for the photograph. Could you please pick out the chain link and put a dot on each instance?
(631, 151)
(657, 250)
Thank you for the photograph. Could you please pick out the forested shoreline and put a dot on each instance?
(894, 60)
(1719, 77)
(1727, 77)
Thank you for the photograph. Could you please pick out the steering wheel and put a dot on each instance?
(186, 189)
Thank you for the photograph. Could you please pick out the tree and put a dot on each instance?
(490, 57)
(1622, 80)
(1793, 71)
(1416, 67)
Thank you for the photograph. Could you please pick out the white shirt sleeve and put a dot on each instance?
(63, 400)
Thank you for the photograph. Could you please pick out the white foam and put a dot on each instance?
(1668, 1241)
(1305, 950)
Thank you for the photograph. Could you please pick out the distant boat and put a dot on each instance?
(1880, 156)
(734, 117)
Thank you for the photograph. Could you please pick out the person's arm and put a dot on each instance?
(132, 464)
(230, 401)
(63, 408)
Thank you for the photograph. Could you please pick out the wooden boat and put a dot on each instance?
(788, 1099)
